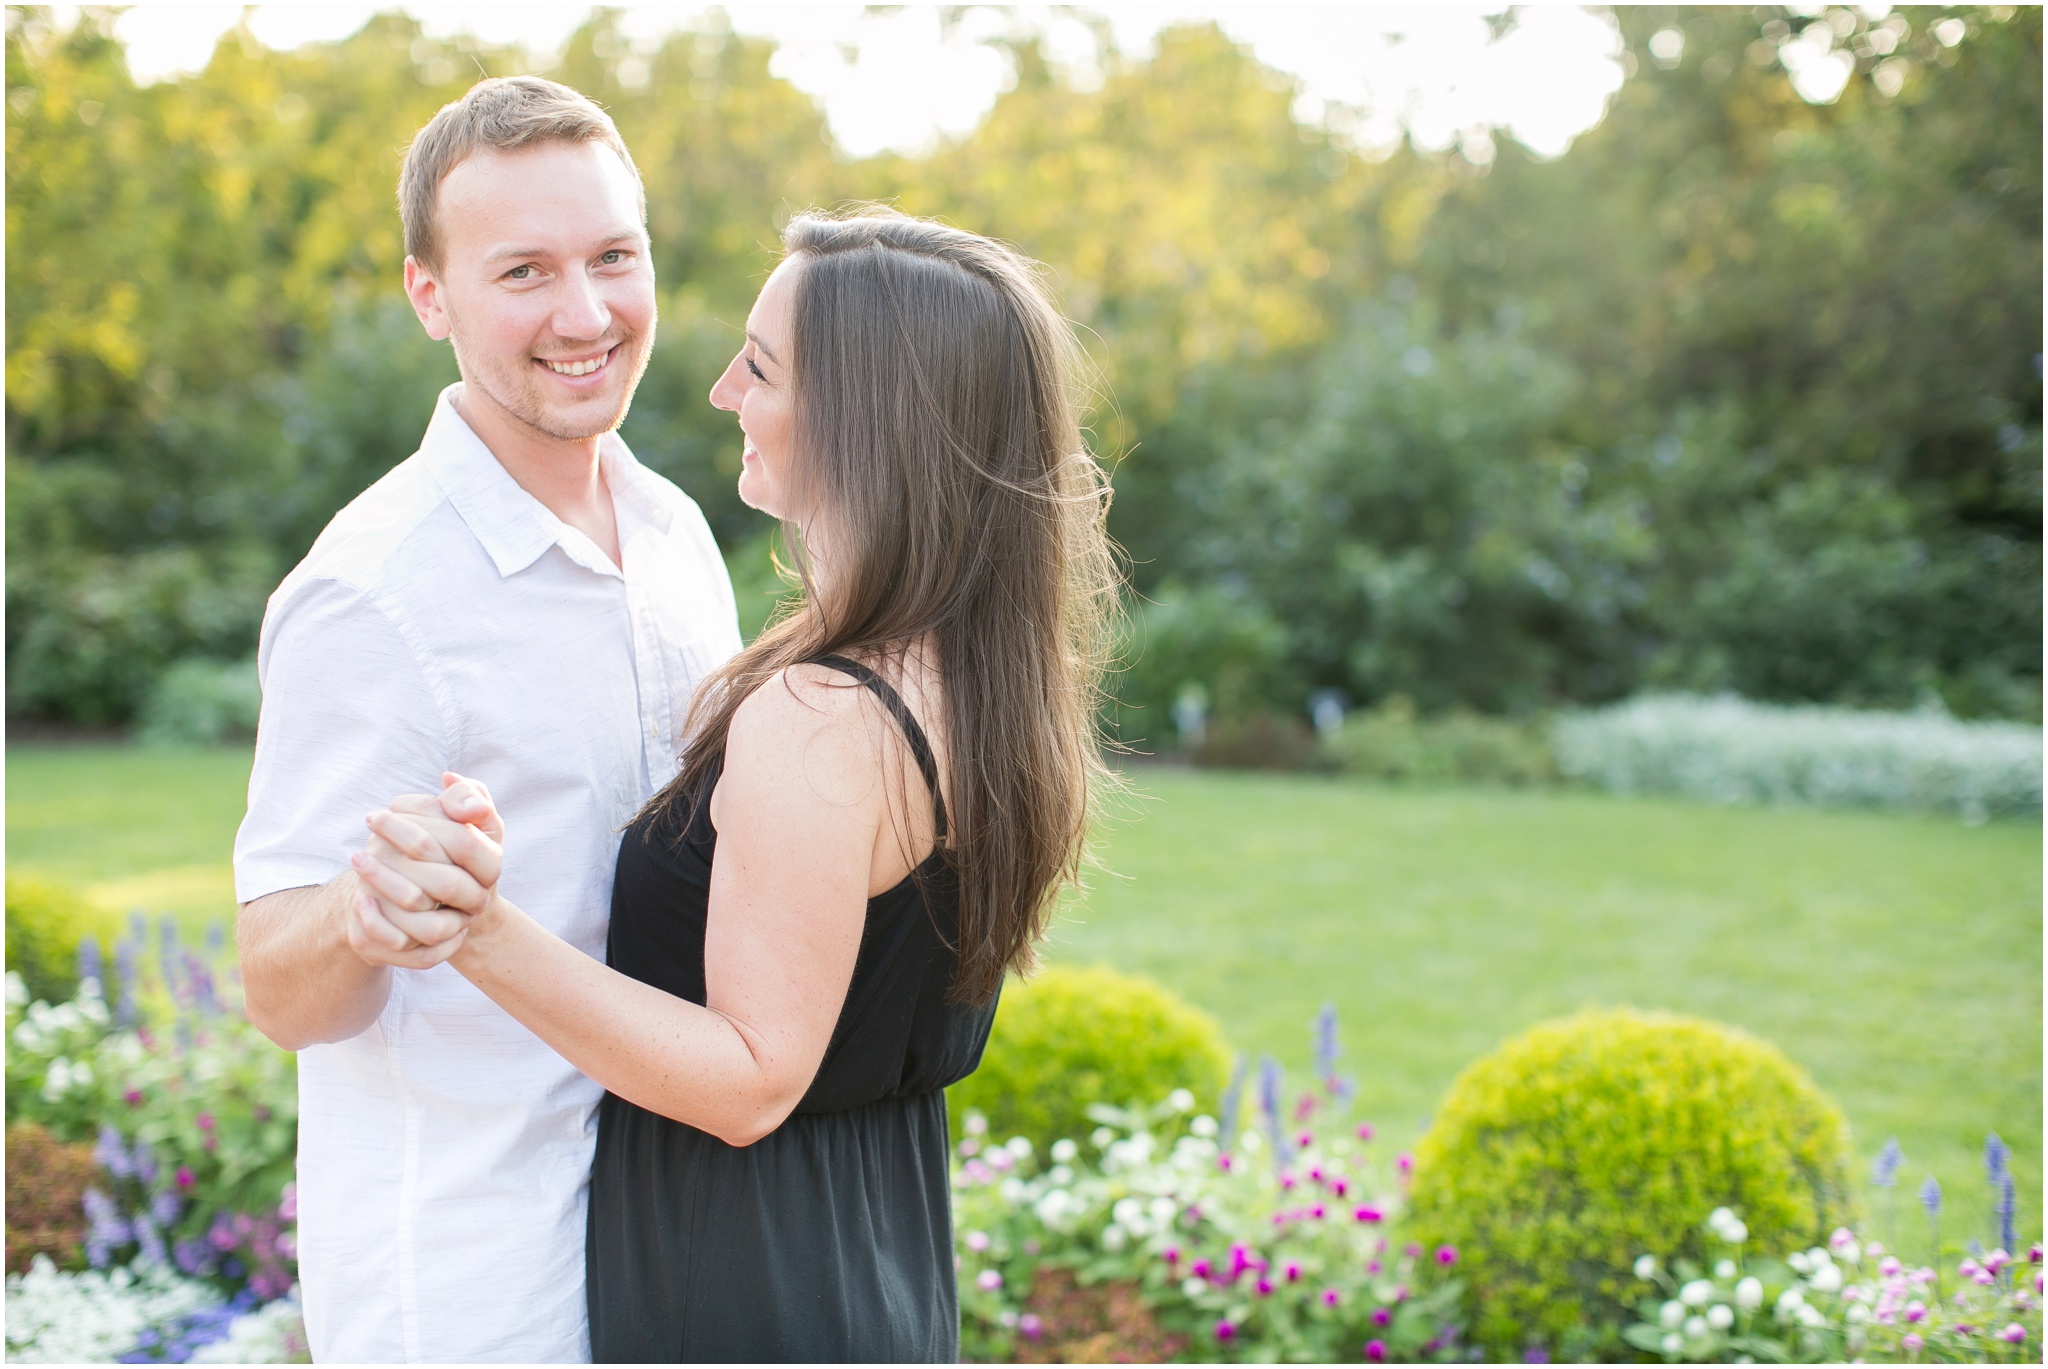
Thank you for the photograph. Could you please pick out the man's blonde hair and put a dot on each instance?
(501, 112)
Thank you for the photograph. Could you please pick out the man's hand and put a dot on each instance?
(431, 865)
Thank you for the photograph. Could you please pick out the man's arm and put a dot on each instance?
(316, 962)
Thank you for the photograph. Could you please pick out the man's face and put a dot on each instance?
(545, 285)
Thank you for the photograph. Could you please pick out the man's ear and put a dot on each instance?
(425, 293)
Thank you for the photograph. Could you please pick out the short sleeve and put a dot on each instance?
(349, 721)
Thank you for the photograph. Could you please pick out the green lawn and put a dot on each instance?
(1897, 958)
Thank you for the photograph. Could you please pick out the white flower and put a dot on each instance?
(1826, 1277)
(272, 1334)
(1053, 1206)
(17, 990)
(1673, 1343)
(1789, 1303)
(1180, 1100)
(1193, 1288)
(1129, 1211)
(1809, 1316)
(1020, 1146)
(1720, 1316)
(1719, 1218)
(1060, 1175)
(1859, 1313)
(1696, 1294)
(975, 1125)
(1735, 1233)
(1695, 1327)
(1749, 1294)
(1800, 1262)
(1670, 1315)
(1162, 1209)
(1101, 1136)
(1204, 1126)
(1114, 1238)
(1064, 1151)
(1725, 1269)
(1646, 1266)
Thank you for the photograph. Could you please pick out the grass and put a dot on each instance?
(1897, 958)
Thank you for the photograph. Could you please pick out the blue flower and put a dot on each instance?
(1885, 1172)
(1327, 1049)
(1270, 1084)
(89, 964)
(1930, 1197)
(1233, 1098)
(112, 1154)
(1995, 1157)
(166, 1207)
(2007, 1236)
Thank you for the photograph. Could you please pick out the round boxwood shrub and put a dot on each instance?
(1561, 1157)
(45, 923)
(1071, 1037)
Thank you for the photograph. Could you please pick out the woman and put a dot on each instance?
(877, 802)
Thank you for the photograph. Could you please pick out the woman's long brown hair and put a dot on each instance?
(937, 440)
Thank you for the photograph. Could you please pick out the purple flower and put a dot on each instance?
(988, 1280)
(1996, 1157)
(1447, 1255)
(2014, 1334)
(112, 1154)
(1327, 1049)
(2008, 1235)
(166, 1208)
(89, 965)
(1381, 1316)
(1225, 1331)
(1233, 1097)
(185, 1177)
(1885, 1172)
(1030, 1325)
(1376, 1351)
(288, 1203)
(1372, 1266)
(1930, 1196)
(192, 1258)
(1331, 1297)
(1535, 1354)
(1911, 1342)
(132, 1097)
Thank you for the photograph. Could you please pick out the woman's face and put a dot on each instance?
(756, 386)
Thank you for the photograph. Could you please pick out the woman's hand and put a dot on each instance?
(433, 862)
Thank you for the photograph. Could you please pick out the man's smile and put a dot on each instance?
(583, 367)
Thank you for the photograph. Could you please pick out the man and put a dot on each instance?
(519, 601)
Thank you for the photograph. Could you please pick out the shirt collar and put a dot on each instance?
(514, 528)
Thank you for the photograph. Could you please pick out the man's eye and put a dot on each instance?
(612, 258)
(520, 273)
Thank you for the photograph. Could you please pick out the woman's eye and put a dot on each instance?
(755, 369)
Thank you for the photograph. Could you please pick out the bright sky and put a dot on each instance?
(900, 78)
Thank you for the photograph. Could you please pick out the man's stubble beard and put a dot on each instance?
(520, 395)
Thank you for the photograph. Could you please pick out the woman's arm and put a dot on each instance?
(797, 810)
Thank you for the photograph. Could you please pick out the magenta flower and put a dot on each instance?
(1171, 1254)
(1305, 1106)
(1340, 1188)
(205, 1121)
(1305, 1140)
(1286, 1181)
(1031, 1326)
(1316, 1212)
(2033, 1254)
(1223, 1162)
(988, 1280)
(1330, 1297)
(1916, 1311)
(1412, 1250)
(1376, 1351)
(185, 1177)
(1264, 1287)
(1372, 1266)
(1370, 1214)
(2013, 1334)
(1404, 1162)
(132, 1097)
(1400, 1292)
(1225, 1331)
(1316, 1173)
(1911, 1342)
(1447, 1255)
(1200, 1269)
(1381, 1316)
(1365, 1132)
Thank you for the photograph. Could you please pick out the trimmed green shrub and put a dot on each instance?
(45, 923)
(1573, 1149)
(1072, 1037)
(198, 702)
(1392, 743)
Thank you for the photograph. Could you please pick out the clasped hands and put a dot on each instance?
(428, 871)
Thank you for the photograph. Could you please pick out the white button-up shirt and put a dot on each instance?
(445, 620)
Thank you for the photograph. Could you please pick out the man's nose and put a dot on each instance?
(581, 312)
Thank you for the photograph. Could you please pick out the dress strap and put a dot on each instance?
(920, 747)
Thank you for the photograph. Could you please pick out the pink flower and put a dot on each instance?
(2013, 1334)
(1286, 1181)
(205, 1121)
(1447, 1255)
(1968, 1268)
(1412, 1251)
(1031, 1326)
(1340, 1188)
(2033, 1254)
(1916, 1310)
(988, 1280)
(1304, 1107)
(132, 1097)
(977, 1241)
(185, 1177)
(1225, 1331)
(1316, 1212)
(1200, 1269)
(1370, 1214)
(1400, 1292)
(1330, 1297)
(1001, 1159)
(1372, 1266)
(1381, 1316)
(1911, 1342)
(970, 1148)
(1365, 1131)
(1264, 1287)
(1292, 1273)
(1405, 1162)
(1305, 1140)
(1890, 1266)
(288, 1206)
(1171, 1254)
(1376, 1351)
(1223, 1162)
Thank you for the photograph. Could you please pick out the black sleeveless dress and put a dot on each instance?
(831, 1237)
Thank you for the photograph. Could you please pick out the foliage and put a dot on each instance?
(1847, 1300)
(1557, 1159)
(1074, 1037)
(193, 1114)
(46, 1183)
(1729, 751)
(1280, 1242)
(46, 923)
(1207, 649)
(203, 703)
(1391, 743)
